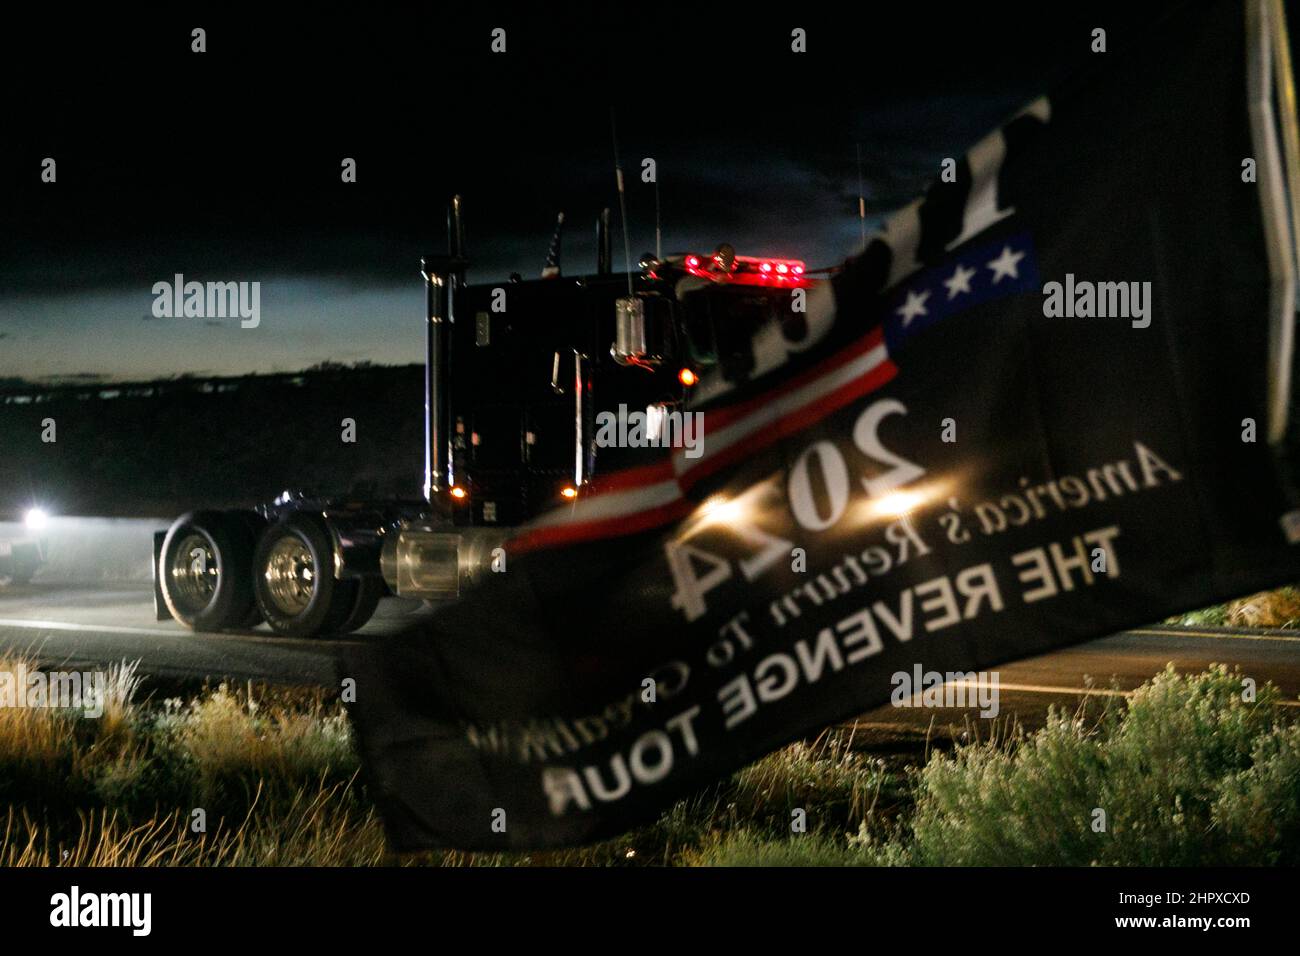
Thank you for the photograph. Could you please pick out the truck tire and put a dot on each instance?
(293, 578)
(369, 591)
(18, 576)
(205, 571)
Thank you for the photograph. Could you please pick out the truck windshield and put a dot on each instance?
(720, 322)
(697, 323)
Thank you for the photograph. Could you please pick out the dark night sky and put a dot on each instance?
(225, 166)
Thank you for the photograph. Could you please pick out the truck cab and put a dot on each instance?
(532, 363)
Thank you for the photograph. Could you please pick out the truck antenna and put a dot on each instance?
(862, 202)
(622, 202)
(659, 239)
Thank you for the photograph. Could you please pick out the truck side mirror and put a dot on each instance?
(637, 333)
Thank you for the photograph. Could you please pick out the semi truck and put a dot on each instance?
(514, 375)
(20, 560)
(23, 556)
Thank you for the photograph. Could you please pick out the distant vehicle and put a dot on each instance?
(510, 403)
(22, 558)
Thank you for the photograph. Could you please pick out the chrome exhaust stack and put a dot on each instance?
(437, 429)
(443, 276)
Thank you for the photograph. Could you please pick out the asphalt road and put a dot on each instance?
(99, 625)
(1107, 667)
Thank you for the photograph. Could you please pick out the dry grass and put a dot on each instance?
(239, 750)
(1279, 608)
(318, 828)
(273, 781)
(1187, 771)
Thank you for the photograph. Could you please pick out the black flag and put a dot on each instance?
(1037, 409)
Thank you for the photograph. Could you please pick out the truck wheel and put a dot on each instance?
(205, 571)
(18, 576)
(293, 579)
(369, 591)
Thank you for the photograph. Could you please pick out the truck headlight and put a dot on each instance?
(36, 519)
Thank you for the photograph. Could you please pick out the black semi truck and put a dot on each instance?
(22, 556)
(20, 560)
(515, 373)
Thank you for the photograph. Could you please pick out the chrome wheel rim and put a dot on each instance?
(290, 575)
(194, 573)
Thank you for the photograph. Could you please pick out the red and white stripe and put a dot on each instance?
(639, 499)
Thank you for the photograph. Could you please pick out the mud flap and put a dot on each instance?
(160, 611)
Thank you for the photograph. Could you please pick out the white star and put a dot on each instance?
(1005, 264)
(960, 281)
(914, 306)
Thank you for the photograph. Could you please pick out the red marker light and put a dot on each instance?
(798, 270)
(693, 261)
(782, 268)
(687, 377)
(765, 267)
